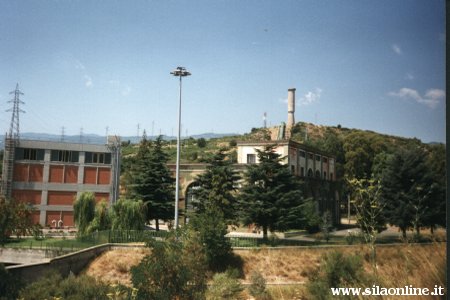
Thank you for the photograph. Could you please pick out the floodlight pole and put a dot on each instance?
(179, 72)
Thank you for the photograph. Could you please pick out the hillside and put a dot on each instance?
(336, 140)
(398, 266)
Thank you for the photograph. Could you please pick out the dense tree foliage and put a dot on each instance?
(84, 211)
(436, 213)
(336, 270)
(151, 181)
(212, 228)
(217, 187)
(102, 217)
(271, 197)
(128, 215)
(175, 269)
(406, 188)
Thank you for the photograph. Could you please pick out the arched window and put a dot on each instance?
(190, 196)
(317, 174)
(310, 173)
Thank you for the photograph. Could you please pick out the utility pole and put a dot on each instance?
(178, 72)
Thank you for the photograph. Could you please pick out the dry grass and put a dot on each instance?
(400, 265)
(405, 264)
(114, 266)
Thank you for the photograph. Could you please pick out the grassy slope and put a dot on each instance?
(400, 265)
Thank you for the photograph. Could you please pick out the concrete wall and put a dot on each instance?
(22, 256)
(66, 264)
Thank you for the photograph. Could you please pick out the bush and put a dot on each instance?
(225, 286)
(336, 270)
(212, 229)
(201, 143)
(257, 286)
(175, 269)
(53, 286)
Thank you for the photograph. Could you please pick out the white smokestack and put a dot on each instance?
(291, 111)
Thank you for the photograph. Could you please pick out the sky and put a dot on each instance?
(104, 66)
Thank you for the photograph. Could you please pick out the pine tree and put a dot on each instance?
(217, 187)
(152, 181)
(271, 197)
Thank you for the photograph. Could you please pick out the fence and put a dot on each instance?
(250, 242)
(55, 247)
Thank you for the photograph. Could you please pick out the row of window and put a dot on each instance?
(63, 156)
(251, 158)
(311, 156)
(311, 173)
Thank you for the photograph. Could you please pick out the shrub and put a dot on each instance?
(225, 286)
(175, 269)
(201, 143)
(336, 270)
(257, 286)
(53, 286)
(212, 229)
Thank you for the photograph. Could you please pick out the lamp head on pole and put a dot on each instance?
(180, 71)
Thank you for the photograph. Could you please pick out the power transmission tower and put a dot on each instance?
(14, 129)
(11, 141)
(62, 134)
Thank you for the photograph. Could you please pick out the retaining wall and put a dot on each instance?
(70, 263)
(22, 256)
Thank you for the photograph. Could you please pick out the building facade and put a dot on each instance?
(315, 167)
(50, 175)
(303, 161)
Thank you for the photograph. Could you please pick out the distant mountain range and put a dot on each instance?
(98, 139)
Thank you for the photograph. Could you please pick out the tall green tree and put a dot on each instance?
(84, 211)
(211, 228)
(102, 217)
(360, 149)
(217, 187)
(271, 197)
(152, 181)
(128, 215)
(406, 184)
(436, 214)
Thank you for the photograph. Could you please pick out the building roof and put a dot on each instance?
(285, 142)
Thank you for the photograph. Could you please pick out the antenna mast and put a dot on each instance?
(14, 129)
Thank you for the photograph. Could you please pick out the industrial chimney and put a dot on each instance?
(291, 111)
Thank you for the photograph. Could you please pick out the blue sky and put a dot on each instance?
(375, 65)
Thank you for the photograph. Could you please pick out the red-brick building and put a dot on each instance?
(50, 175)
